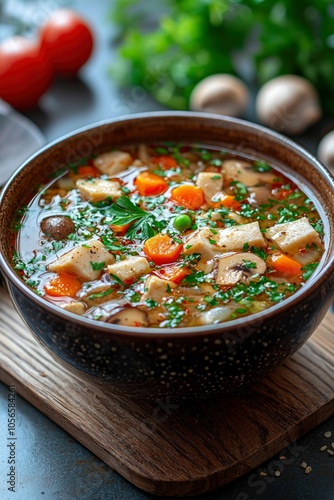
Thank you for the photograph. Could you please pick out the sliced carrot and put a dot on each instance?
(188, 196)
(173, 273)
(162, 249)
(121, 230)
(165, 162)
(149, 184)
(286, 266)
(63, 285)
(227, 201)
(88, 171)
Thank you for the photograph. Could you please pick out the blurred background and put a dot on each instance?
(155, 55)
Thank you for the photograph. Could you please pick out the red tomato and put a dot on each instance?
(25, 72)
(67, 40)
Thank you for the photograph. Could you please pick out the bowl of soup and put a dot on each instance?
(170, 254)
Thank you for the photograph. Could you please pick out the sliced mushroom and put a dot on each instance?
(128, 316)
(259, 195)
(57, 227)
(216, 315)
(74, 307)
(244, 172)
(239, 268)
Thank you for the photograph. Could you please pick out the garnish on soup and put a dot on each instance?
(168, 236)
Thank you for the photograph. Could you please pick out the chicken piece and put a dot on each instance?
(156, 288)
(74, 307)
(82, 260)
(290, 237)
(243, 171)
(130, 269)
(239, 268)
(99, 189)
(211, 183)
(113, 162)
(203, 242)
(234, 238)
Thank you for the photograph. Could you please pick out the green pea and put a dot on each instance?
(182, 222)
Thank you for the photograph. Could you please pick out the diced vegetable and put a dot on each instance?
(120, 230)
(182, 222)
(63, 285)
(88, 171)
(285, 265)
(227, 201)
(165, 162)
(162, 249)
(149, 184)
(188, 196)
(173, 273)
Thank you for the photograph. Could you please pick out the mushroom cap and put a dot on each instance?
(57, 227)
(326, 150)
(221, 93)
(288, 103)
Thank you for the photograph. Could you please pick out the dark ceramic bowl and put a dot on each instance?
(184, 362)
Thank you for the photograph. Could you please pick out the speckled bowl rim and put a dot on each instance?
(319, 276)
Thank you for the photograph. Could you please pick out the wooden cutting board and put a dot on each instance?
(175, 449)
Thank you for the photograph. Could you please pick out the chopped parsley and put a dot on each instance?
(309, 270)
(97, 266)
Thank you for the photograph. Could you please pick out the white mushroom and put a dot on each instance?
(326, 150)
(128, 316)
(74, 307)
(222, 93)
(288, 103)
(239, 268)
(216, 315)
(244, 172)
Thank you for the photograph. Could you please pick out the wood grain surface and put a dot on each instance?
(171, 449)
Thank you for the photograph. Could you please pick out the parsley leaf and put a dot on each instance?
(124, 212)
(261, 166)
(309, 270)
(97, 266)
(101, 294)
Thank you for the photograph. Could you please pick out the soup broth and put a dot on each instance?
(168, 235)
